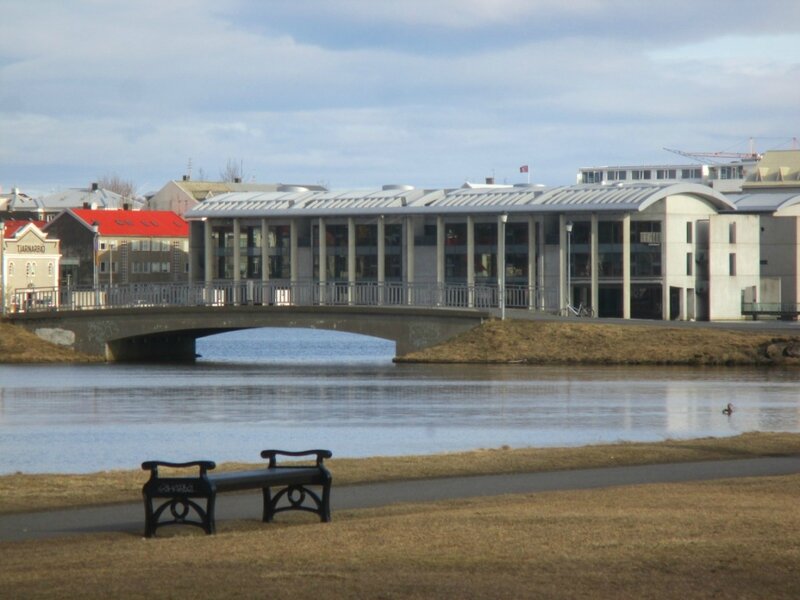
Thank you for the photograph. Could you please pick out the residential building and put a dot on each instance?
(30, 259)
(181, 196)
(108, 247)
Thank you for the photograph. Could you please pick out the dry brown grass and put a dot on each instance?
(722, 539)
(543, 342)
(25, 492)
(18, 345)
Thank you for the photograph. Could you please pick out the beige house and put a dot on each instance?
(30, 259)
(181, 196)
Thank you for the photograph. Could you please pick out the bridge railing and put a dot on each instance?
(281, 293)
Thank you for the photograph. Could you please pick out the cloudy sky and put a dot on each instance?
(358, 93)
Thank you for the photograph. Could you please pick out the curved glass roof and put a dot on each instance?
(410, 201)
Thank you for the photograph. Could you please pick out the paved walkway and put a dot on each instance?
(129, 518)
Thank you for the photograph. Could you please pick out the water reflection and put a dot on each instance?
(302, 389)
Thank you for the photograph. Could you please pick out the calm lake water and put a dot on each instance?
(298, 389)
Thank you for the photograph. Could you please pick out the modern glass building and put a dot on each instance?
(629, 250)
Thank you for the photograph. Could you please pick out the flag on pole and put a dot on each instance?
(523, 169)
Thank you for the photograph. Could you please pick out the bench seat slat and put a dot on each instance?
(242, 480)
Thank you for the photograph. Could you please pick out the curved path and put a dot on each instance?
(129, 518)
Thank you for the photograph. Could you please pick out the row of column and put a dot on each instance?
(535, 272)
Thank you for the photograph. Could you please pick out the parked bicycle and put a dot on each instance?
(577, 311)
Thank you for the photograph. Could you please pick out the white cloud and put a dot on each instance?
(358, 92)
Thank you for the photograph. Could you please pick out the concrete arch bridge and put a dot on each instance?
(169, 333)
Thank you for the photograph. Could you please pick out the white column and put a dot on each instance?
(294, 263)
(501, 264)
(562, 262)
(440, 274)
(323, 260)
(665, 280)
(532, 270)
(208, 248)
(540, 265)
(409, 222)
(237, 251)
(381, 258)
(470, 261)
(626, 267)
(595, 261)
(264, 251)
(351, 260)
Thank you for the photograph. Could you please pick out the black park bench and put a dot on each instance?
(190, 499)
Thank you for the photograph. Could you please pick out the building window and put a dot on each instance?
(617, 175)
(732, 263)
(592, 177)
(689, 263)
(689, 232)
(691, 174)
(641, 174)
(732, 233)
(666, 173)
(102, 266)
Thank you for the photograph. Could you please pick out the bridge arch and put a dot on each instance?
(170, 333)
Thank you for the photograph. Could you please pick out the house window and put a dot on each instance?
(732, 263)
(689, 228)
(689, 263)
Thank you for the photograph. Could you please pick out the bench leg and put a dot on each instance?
(269, 510)
(179, 508)
(299, 497)
(209, 521)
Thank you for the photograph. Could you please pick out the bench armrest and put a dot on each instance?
(273, 454)
(203, 465)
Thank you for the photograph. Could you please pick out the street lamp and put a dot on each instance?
(501, 263)
(95, 274)
(569, 266)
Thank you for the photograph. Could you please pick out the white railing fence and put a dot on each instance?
(280, 293)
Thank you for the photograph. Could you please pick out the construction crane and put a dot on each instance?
(699, 156)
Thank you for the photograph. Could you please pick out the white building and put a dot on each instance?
(630, 250)
(29, 258)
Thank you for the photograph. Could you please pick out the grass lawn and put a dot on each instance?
(722, 539)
